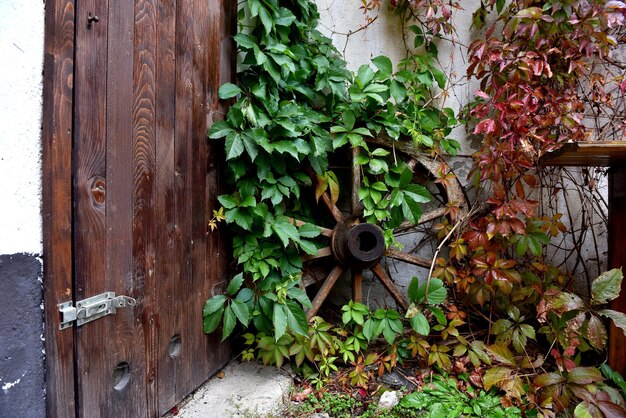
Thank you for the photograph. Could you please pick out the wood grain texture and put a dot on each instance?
(144, 148)
(199, 79)
(390, 286)
(221, 64)
(183, 160)
(126, 325)
(89, 187)
(167, 273)
(144, 183)
(617, 259)
(596, 153)
(57, 132)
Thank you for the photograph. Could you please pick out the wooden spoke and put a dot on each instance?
(355, 203)
(357, 285)
(358, 245)
(313, 274)
(390, 286)
(334, 210)
(322, 294)
(425, 218)
(322, 252)
(408, 258)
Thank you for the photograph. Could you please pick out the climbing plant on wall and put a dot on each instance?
(491, 307)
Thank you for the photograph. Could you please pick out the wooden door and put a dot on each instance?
(127, 127)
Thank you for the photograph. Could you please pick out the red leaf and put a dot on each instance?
(482, 94)
(611, 410)
(485, 126)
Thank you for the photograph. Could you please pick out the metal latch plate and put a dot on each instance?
(92, 308)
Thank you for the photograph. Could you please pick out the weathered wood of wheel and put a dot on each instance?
(356, 245)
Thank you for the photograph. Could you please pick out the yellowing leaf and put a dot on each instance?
(495, 375)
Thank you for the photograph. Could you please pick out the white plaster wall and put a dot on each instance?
(21, 66)
(343, 21)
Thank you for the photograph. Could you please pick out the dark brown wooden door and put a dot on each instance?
(144, 182)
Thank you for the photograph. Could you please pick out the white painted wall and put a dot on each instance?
(21, 66)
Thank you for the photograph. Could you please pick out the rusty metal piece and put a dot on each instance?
(91, 18)
(358, 246)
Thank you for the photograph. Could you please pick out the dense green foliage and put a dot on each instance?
(494, 309)
(442, 398)
(296, 104)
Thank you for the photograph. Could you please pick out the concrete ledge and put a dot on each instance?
(246, 389)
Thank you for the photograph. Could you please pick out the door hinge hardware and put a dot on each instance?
(92, 308)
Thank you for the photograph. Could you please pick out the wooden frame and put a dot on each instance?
(610, 154)
(57, 201)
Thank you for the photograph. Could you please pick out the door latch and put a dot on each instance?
(92, 308)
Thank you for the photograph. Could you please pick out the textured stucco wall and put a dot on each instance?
(21, 317)
(21, 49)
(21, 344)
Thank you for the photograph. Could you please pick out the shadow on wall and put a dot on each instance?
(22, 381)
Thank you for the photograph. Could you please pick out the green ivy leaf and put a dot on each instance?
(420, 324)
(500, 5)
(266, 20)
(228, 91)
(299, 295)
(279, 318)
(582, 410)
(414, 290)
(437, 292)
(235, 284)
(285, 230)
(606, 287)
(384, 65)
(244, 41)
(241, 311)
(309, 231)
(230, 321)
(214, 304)
(212, 321)
(234, 145)
(296, 318)
(369, 329)
(389, 334)
(398, 91)
(220, 129)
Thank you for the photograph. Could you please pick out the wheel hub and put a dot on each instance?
(358, 246)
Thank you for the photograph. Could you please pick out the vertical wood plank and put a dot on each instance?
(57, 202)
(167, 271)
(125, 326)
(617, 258)
(184, 160)
(144, 140)
(221, 69)
(89, 159)
(198, 199)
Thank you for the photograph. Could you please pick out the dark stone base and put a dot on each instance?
(22, 374)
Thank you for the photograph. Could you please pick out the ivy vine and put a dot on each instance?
(296, 105)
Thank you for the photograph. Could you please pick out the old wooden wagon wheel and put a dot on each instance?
(357, 246)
